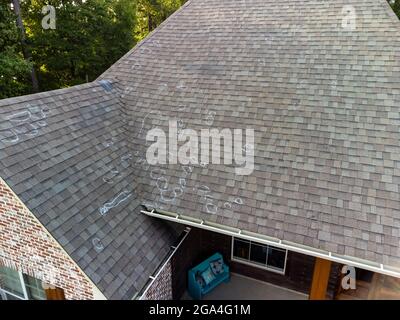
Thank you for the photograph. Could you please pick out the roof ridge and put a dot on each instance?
(146, 39)
(45, 94)
(391, 13)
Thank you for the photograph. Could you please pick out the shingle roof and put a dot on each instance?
(65, 154)
(323, 102)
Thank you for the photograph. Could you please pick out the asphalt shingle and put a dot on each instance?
(61, 176)
(323, 101)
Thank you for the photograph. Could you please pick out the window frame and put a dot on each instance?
(29, 288)
(24, 289)
(255, 264)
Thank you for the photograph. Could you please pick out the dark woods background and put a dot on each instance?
(90, 35)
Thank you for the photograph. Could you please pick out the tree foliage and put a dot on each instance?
(150, 13)
(395, 4)
(14, 70)
(89, 37)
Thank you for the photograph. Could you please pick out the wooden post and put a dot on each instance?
(375, 286)
(319, 285)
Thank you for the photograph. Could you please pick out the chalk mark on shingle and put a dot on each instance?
(114, 202)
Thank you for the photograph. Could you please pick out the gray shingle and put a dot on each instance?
(323, 102)
(66, 192)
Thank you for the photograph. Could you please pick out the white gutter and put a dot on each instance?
(234, 232)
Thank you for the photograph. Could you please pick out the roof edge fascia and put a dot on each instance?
(299, 248)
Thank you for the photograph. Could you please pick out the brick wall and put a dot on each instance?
(26, 246)
(161, 288)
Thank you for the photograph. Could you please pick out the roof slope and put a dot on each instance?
(65, 154)
(322, 100)
(324, 103)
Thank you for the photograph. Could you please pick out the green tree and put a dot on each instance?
(395, 4)
(14, 70)
(150, 13)
(89, 37)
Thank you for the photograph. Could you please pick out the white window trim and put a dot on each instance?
(21, 278)
(255, 264)
(25, 292)
(11, 294)
(22, 282)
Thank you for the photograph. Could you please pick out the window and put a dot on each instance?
(11, 282)
(241, 249)
(15, 285)
(34, 288)
(259, 255)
